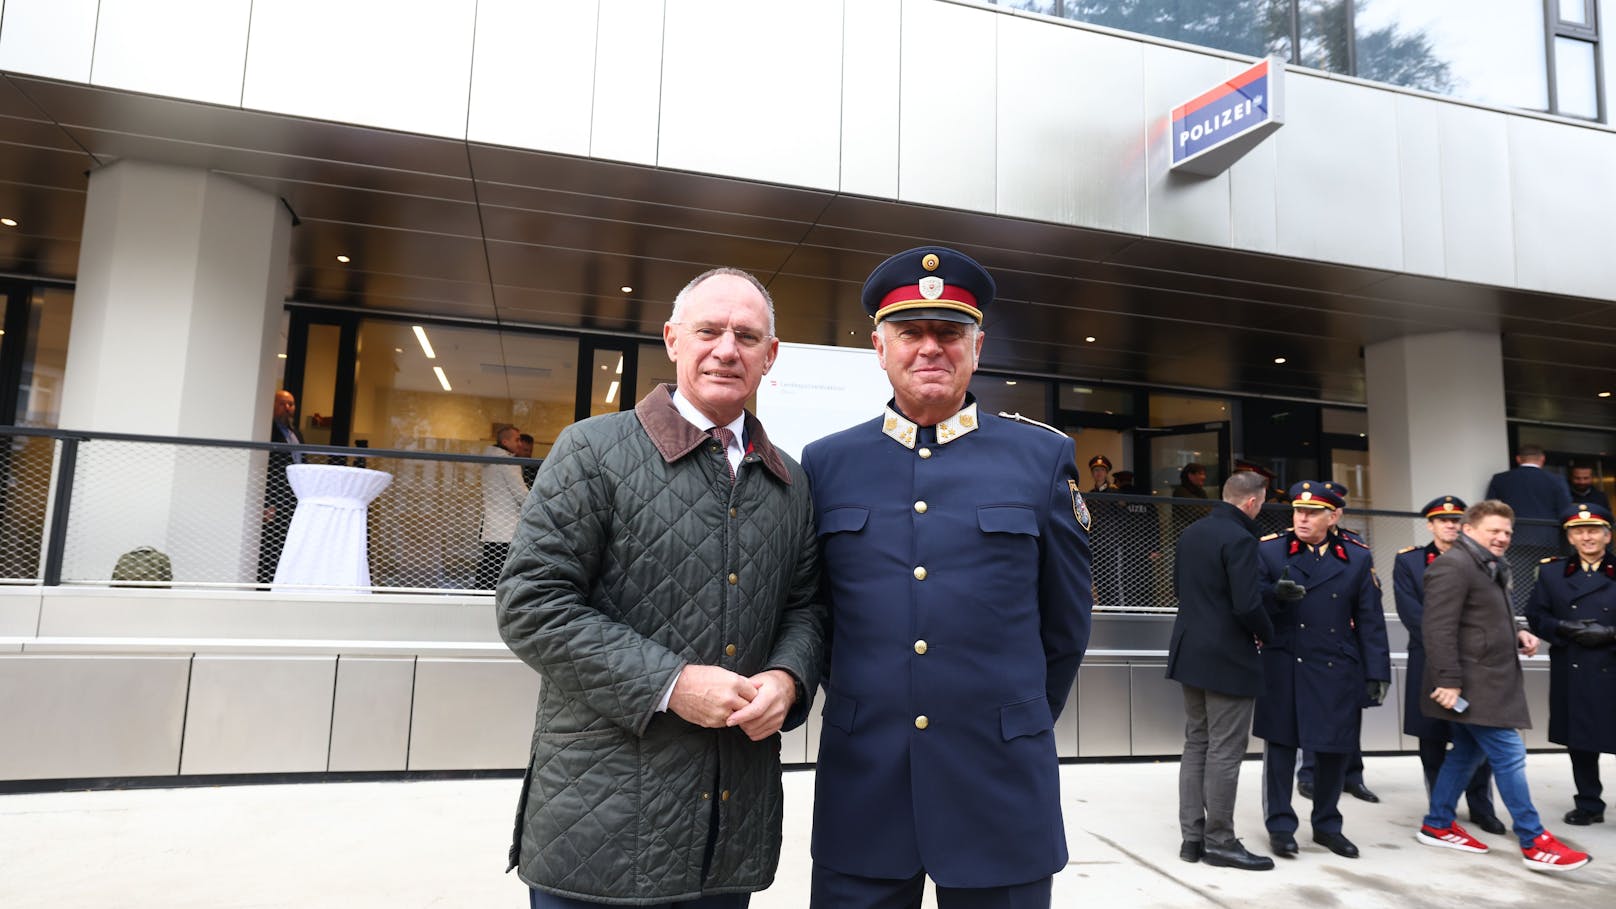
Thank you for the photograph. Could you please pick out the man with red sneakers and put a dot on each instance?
(1475, 683)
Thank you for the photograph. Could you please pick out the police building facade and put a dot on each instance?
(427, 219)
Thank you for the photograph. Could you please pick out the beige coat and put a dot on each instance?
(1470, 644)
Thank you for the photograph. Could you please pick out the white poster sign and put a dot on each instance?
(813, 391)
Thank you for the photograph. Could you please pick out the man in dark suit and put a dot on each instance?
(956, 566)
(1573, 607)
(1535, 495)
(1475, 683)
(1214, 655)
(1328, 659)
(1443, 517)
(279, 501)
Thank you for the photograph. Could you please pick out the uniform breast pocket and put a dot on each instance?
(843, 519)
(1009, 545)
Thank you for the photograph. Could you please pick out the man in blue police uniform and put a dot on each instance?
(1328, 659)
(957, 574)
(1355, 785)
(1444, 515)
(1573, 607)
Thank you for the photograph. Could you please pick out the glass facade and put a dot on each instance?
(1488, 51)
(44, 357)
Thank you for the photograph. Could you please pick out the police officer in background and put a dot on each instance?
(1585, 488)
(1100, 472)
(1328, 659)
(1573, 607)
(956, 566)
(1444, 516)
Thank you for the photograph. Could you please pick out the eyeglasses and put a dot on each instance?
(747, 338)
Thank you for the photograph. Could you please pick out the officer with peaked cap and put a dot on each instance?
(1100, 471)
(1573, 607)
(1444, 516)
(956, 565)
(1328, 659)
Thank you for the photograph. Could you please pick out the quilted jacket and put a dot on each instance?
(635, 555)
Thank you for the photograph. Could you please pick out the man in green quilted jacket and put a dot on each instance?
(662, 582)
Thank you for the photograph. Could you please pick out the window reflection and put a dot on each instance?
(1324, 36)
(1252, 27)
(39, 396)
(1483, 50)
(1575, 89)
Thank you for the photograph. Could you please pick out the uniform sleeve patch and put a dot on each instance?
(1080, 508)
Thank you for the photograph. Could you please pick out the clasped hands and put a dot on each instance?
(1587, 633)
(714, 697)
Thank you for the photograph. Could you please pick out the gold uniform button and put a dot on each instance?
(925, 452)
(920, 507)
(920, 647)
(729, 650)
(734, 578)
(921, 722)
(920, 572)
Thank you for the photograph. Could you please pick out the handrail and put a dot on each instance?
(286, 447)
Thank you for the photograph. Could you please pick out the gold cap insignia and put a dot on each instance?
(930, 262)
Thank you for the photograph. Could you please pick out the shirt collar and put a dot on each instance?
(905, 431)
(699, 420)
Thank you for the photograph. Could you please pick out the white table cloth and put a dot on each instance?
(325, 544)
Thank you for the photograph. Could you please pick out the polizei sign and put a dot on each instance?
(1212, 130)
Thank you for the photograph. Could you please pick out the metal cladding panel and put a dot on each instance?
(946, 116)
(1066, 726)
(1564, 192)
(1536, 678)
(1419, 182)
(1338, 196)
(790, 90)
(628, 81)
(1071, 144)
(19, 611)
(194, 49)
(527, 98)
(1382, 728)
(1103, 722)
(472, 714)
(365, 63)
(70, 717)
(370, 720)
(1180, 206)
(251, 714)
(869, 128)
(1478, 238)
(1253, 203)
(51, 38)
(1157, 705)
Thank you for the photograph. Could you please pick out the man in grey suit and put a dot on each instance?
(1214, 656)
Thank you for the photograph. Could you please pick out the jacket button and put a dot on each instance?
(925, 452)
(920, 647)
(729, 650)
(1298, 659)
(920, 507)
(921, 722)
(734, 578)
(1301, 625)
(724, 796)
(705, 796)
(920, 572)
(732, 512)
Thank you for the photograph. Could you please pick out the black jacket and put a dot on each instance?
(1220, 610)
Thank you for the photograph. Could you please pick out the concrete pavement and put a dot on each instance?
(442, 844)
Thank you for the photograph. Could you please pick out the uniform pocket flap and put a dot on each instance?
(839, 711)
(1007, 519)
(843, 519)
(1028, 717)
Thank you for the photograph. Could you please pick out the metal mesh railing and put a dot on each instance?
(98, 509)
(1135, 540)
(25, 484)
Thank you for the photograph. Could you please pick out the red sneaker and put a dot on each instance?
(1455, 837)
(1549, 854)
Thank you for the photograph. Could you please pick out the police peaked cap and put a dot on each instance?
(928, 282)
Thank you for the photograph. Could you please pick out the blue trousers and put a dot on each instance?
(835, 890)
(1507, 753)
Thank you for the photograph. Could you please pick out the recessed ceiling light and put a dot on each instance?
(426, 346)
(9, 222)
(280, 356)
(1009, 381)
(442, 379)
(1089, 339)
(1279, 361)
(626, 289)
(344, 260)
(1604, 394)
(398, 350)
(1363, 435)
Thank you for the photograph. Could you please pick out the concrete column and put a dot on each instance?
(182, 275)
(1436, 417)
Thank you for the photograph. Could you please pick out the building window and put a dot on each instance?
(1575, 72)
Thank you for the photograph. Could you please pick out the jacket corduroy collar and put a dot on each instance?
(674, 437)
